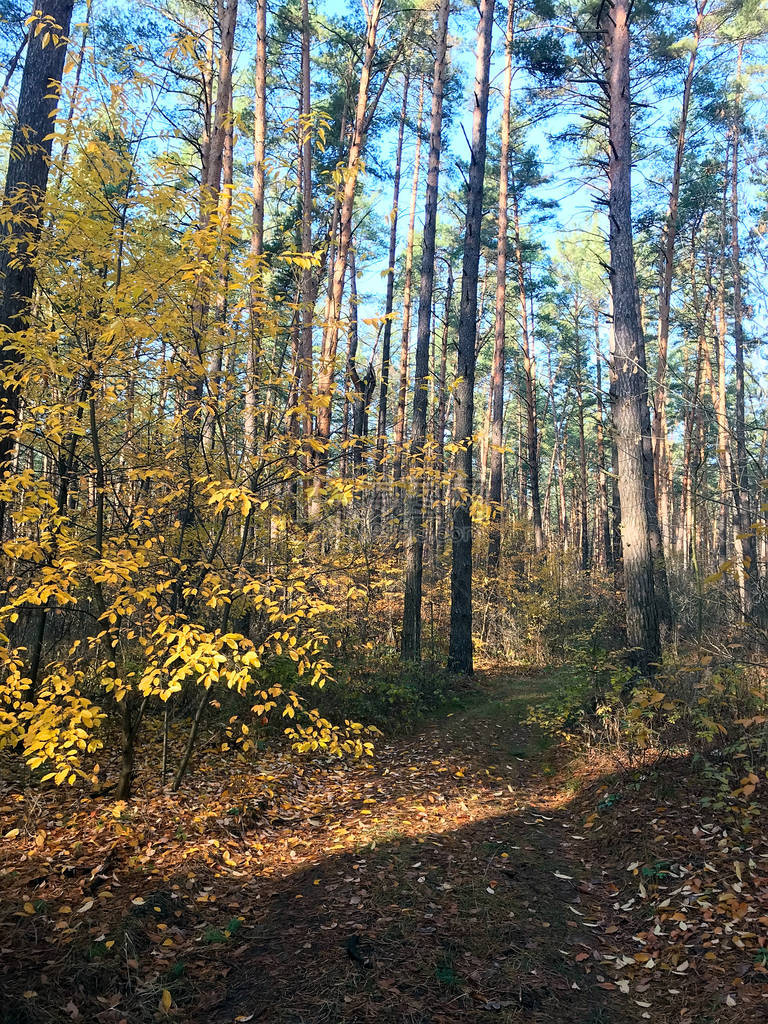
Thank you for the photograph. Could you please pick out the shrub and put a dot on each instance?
(380, 690)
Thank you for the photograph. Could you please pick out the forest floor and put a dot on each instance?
(467, 873)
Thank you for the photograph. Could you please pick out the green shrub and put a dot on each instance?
(381, 690)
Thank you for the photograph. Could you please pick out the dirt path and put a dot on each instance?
(466, 874)
(448, 890)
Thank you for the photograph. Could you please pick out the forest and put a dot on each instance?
(383, 511)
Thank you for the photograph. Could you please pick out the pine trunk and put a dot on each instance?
(496, 458)
(414, 502)
(460, 644)
(628, 386)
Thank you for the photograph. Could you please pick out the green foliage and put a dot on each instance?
(382, 691)
(718, 714)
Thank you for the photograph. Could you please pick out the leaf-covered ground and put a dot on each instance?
(466, 874)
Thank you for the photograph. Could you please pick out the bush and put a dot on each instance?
(380, 690)
(718, 713)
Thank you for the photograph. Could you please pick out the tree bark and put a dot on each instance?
(460, 657)
(441, 417)
(414, 503)
(402, 390)
(629, 389)
(26, 182)
(307, 288)
(583, 479)
(257, 233)
(327, 363)
(529, 372)
(386, 345)
(742, 496)
(496, 457)
(662, 466)
(603, 547)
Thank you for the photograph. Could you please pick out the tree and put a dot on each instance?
(669, 236)
(386, 345)
(361, 122)
(257, 234)
(26, 181)
(500, 326)
(414, 504)
(628, 386)
(460, 645)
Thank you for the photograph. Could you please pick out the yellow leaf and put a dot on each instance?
(166, 1000)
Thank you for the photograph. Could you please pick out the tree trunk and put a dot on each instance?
(661, 585)
(441, 417)
(215, 379)
(307, 287)
(603, 546)
(499, 353)
(257, 233)
(718, 394)
(362, 387)
(742, 496)
(414, 503)
(227, 13)
(629, 389)
(529, 372)
(460, 644)
(386, 345)
(197, 424)
(583, 479)
(690, 462)
(327, 363)
(26, 182)
(402, 391)
(662, 467)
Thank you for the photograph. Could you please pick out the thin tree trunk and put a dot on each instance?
(583, 479)
(257, 232)
(742, 496)
(661, 585)
(603, 546)
(690, 463)
(529, 372)
(327, 363)
(402, 391)
(414, 504)
(500, 325)
(662, 466)
(307, 289)
(386, 345)
(441, 416)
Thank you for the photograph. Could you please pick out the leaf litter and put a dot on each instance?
(441, 881)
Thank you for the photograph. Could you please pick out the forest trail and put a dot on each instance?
(446, 885)
(467, 872)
